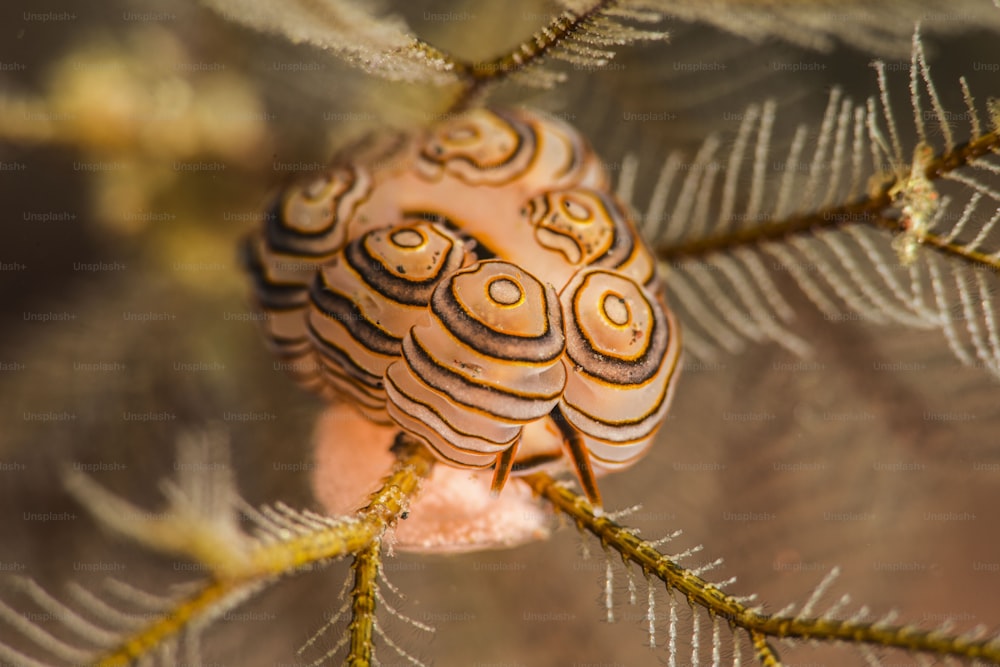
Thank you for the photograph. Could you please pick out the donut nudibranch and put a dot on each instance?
(481, 288)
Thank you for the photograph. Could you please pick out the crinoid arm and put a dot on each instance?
(867, 223)
(201, 523)
(749, 624)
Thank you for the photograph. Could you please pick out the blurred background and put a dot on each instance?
(139, 141)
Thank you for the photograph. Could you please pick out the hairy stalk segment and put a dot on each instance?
(975, 258)
(288, 549)
(862, 212)
(363, 596)
(584, 34)
(166, 628)
(759, 626)
(352, 534)
(524, 55)
(962, 155)
(766, 654)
